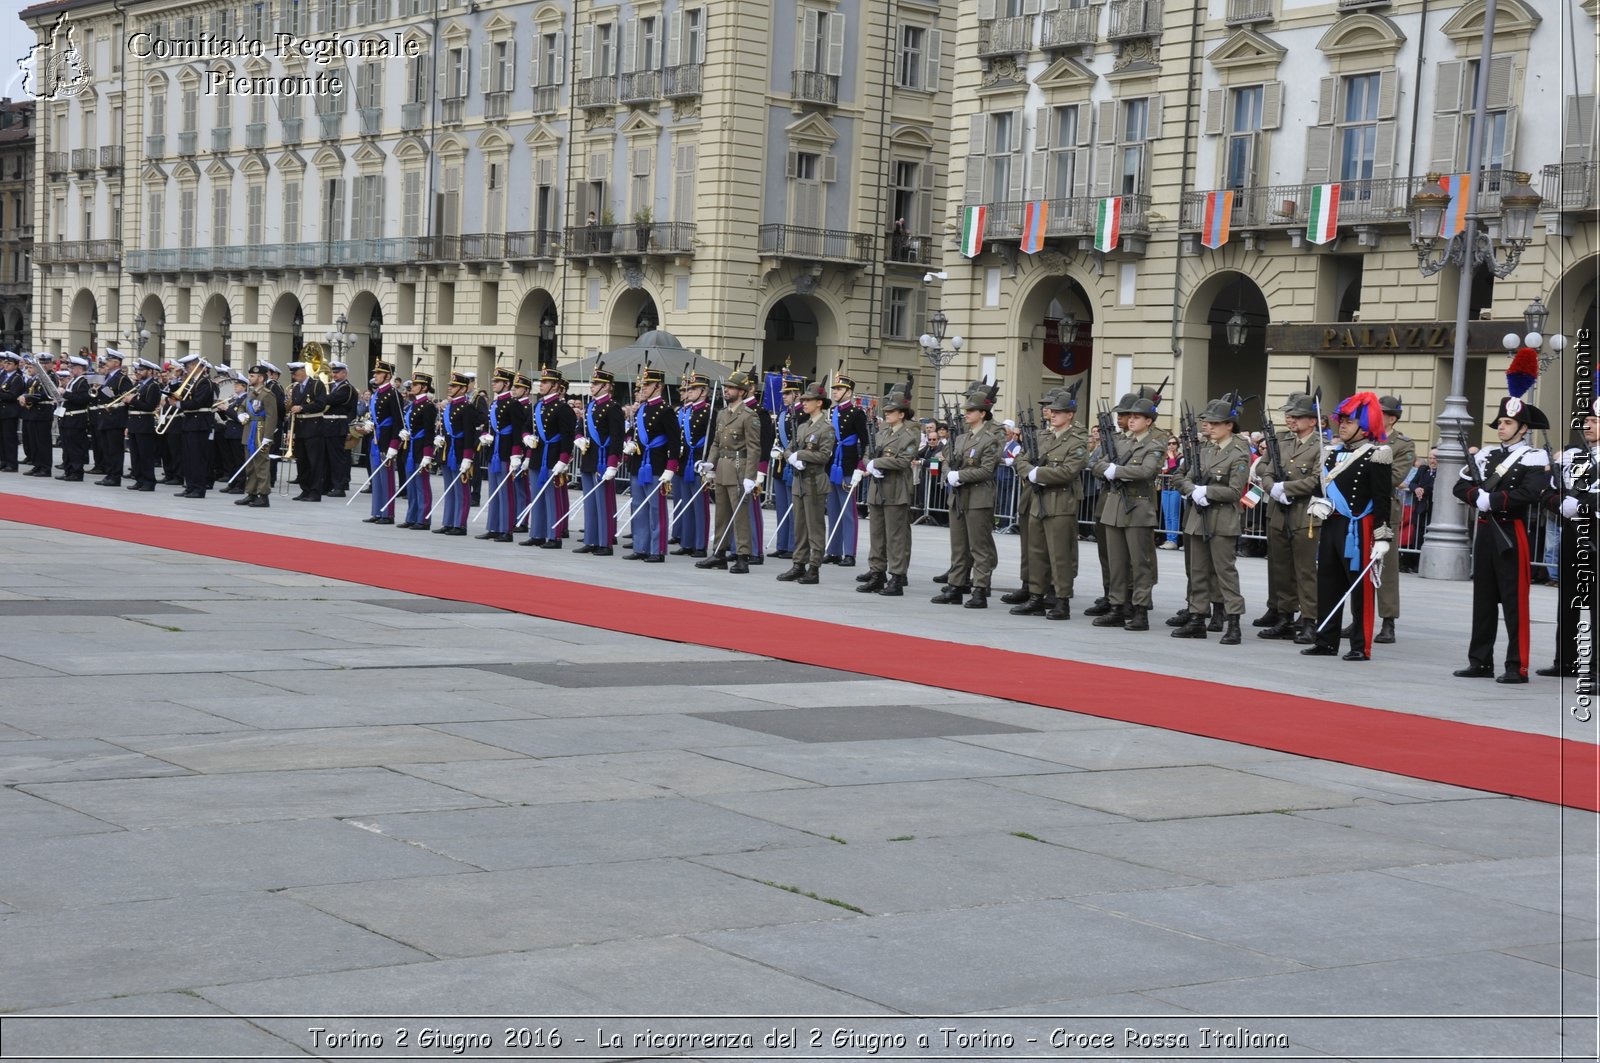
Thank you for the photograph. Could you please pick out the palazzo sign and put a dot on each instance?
(1400, 337)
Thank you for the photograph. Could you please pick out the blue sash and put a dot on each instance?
(594, 433)
(646, 445)
(836, 470)
(1352, 535)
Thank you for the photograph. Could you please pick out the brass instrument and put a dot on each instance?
(316, 359)
(46, 382)
(170, 413)
(288, 441)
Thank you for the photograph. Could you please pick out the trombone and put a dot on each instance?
(169, 414)
(43, 377)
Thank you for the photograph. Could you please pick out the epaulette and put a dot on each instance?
(1382, 454)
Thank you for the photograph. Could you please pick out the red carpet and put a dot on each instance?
(1483, 758)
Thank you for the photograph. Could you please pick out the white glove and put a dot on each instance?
(1033, 476)
(244, 418)
(438, 442)
(750, 487)
(761, 478)
(1110, 473)
(1320, 509)
(559, 467)
(485, 439)
(1198, 497)
(704, 468)
(431, 463)
(666, 476)
(1482, 501)
(1008, 460)
(1570, 507)
(405, 435)
(1279, 494)
(515, 467)
(794, 460)
(530, 440)
(630, 448)
(61, 411)
(1380, 549)
(582, 443)
(776, 454)
(610, 473)
(953, 478)
(391, 454)
(466, 464)
(855, 478)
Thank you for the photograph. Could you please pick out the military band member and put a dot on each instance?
(1575, 498)
(111, 445)
(275, 385)
(73, 413)
(691, 516)
(810, 455)
(1353, 509)
(171, 441)
(1212, 526)
(969, 471)
(308, 400)
(258, 416)
(549, 447)
(733, 467)
(500, 446)
(342, 403)
(228, 442)
(1052, 481)
(38, 410)
(1129, 515)
(890, 491)
(599, 456)
(1504, 497)
(783, 479)
(13, 384)
(382, 437)
(1291, 535)
(653, 453)
(195, 422)
(419, 425)
(850, 427)
(456, 439)
(1401, 471)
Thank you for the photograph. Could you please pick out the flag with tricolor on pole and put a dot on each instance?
(973, 221)
(1033, 224)
(1108, 224)
(1458, 186)
(1323, 223)
(1218, 219)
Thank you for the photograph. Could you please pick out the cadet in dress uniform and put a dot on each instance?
(73, 413)
(691, 516)
(1401, 471)
(419, 424)
(343, 402)
(1052, 481)
(383, 422)
(308, 400)
(1353, 510)
(890, 455)
(142, 426)
(1576, 499)
(810, 455)
(653, 453)
(111, 441)
(850, 431)
(1291, 534)
(599, 448)
(456, 438)
(1129, 515)
(500, 446)
(970, 464)
(549, 444)
(258, 416)
(1214, 521)
(733, 465)
(196, 422)
(784, 422)
(13, 384)
(1509, 483)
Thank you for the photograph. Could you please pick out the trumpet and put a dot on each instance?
(165, 418)
(126, 396)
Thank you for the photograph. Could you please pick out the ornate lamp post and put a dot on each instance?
(137, 336)
(339, 339)
(1238, 330)
(933, 349)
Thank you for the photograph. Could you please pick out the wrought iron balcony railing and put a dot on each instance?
(630, 239)
(453, 111)
(816, 88)
(221, 140)
(57, 162)
(84, 159)
(680, 81)
(1573, 186)
(371, 119)
(546, 99)
(496, 105)
(909, 248)
(483, 247)
(1005, 36)
(1381, 201)
(538, 243)
(413, 116)
(111, 157)
(1066, 217)
(332, 125)
(255, 136)
(188, 143)
(641, 86)
(1069, 27)
(155, 146)
(1134, 18)
(1247, 12)
(594, 92)
(292, 130)
(77, 252)
(799, 241)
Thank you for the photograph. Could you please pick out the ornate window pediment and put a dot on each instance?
(219, 170)
(492, 140)
(911, 136)
(1363, 34)
(411, 149)
(1067, 73)
(542, 136)
(812, 127)
(290, 162)
(368, 157)
(1511, 17)
(1246, 49)
(329, 158)
(639, 122)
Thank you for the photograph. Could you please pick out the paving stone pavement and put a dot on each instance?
(257, 804)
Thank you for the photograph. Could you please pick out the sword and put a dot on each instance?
(585, 496)
(648, 496)
(702, 487)
(422, 463)
(732, 517)
(507, 478)
(1340, 603)
(264, 443)
(452, 482)
(535, 501)
(370, 477)
(786, 513)
(850, 494)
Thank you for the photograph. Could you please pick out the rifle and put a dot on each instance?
(1108, 450)
(1475, 475)
(1189, 443)
(1274, 451)
(1322, 457)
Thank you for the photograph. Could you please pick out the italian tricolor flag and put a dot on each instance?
(1108, 224)
(1323, 223)
(973, 220)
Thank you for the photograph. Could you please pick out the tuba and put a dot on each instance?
(316, 358)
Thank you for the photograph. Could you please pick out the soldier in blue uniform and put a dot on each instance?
(691, 518)
(653, 453)
(457, 440)
(418, 423)
(599, 456)
(384, 423)
(500, 445)
(850, 431)
(783, 423)
(549, 444)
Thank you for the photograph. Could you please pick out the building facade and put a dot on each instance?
(479, 183)
(16, 224)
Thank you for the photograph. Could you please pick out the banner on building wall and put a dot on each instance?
(1458, 186)
(1218, 219)
(1067, 359)
(1323, 223)
(1034, 215)
(1108, 224)
(973, 221)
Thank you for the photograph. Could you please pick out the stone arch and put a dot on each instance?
(287, 325)
(629, 313)
(1574, 304)
(364, 321)
(84, 323)
(1211, 365)
(537, 314)
(1361, 32)
(154, 313)
(804, 330)
(215, 318)
(1039, 321)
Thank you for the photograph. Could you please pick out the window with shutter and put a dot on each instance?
(1357, 138)
(1244, 136)
(221, 195)
(683, 189)
(411, 203)
(291, 211)
(836, 24)
(976, 171)
(694, 35)
(155, 221)
(911, 66)
(1578, 135)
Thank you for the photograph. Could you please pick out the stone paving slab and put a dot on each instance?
(25, 816)
(554, 702)
(107, 694)
(375, 707)
(46, 760)
(1177, 793)
(938, 874)
(11, 668)
(676, 771)
(859, 692)
(903, 760)
(93, 869)
(174, 944)
(364, 681)
(620, 734)
(1103, 749)
(1493, 826)
(500, 839)
(535, 782)
(195, 659)
(1560, 884)
(132, 718)
(1580, 957)
(666, 674)
(91, 607)
(430, 606)
(848, 723)
(1382, 786)
(251, 797)
(125, 1027)
(328, 747)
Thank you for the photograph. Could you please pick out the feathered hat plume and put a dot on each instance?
(1522, 372)
(1363, 407)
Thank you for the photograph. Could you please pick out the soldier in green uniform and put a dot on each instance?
(889, 494)
(1214, 521)
(1130, 516)
(810, 454)
(734, 465)
(1401, 472)
(1291, 535)
(1102, 530)
(970, 464)
(1053, 483)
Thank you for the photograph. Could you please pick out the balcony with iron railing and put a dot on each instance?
(1066, 218)
(595, 92)
(188, 143)
(1069, 27)
(111, 157)
(483, 247)
(546, 99)
(496, 106)
(371, 119)
(828, 245)
(1247, 12)
(293, 130)
(155, 146)
(538, 243)
(255, 136)
(1360, 5)
(318, 254)
(680, 81)
(630, 239)
(908, 249)
(641, 86)
(1134, 18)
(77, 252)
(1571, 186)
(439, 249)
(453, 111)
(1378, 201)
(332, 124)
(816, 88)
(57, 163)
(221, 140)
(1005, 36)
(84, 159)
(413, 116)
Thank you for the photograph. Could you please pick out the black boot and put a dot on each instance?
(894, 587)
(1101, 607)
(1193, 628)
(1385, 633)
(1016, 597)
(872, 584)
(1138, 619)
(1032, 606)
(867, 576)
(1215, 623)
(979, 599)
(1178, 619)
(1270, 618)
(1285, 628)
(794, 573)
(1230, 635)
(740, 566)
(951, 595)
(1308, 632)
(1062, 610)
(718, 560)
(813, 575)
(1110, 616)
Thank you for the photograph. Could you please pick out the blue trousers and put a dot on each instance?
(693, 518)
(649, 521)
(383, 485)
(599, 510)
(500, 498)
(419, 494)
(1171, 514)
(843, 541)
(782, 497)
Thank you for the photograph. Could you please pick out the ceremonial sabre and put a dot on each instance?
(585, 496)
(248, 460)
(632, 508)
(370, 477)
(850, 494)
(786, 513)
(422, 464)
(1340, 603)
(507, 478)
(452, 483)
(538, 495)
(733, 516)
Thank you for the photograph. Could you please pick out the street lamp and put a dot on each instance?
(1519, 205)
(226, 331)
(1533, 320)
(1238, 330)
(934, 351)
(137, 336)
(339, 338)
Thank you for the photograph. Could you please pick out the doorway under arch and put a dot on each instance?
(538, 331)
(1226, 326)
(288, 327)
(84, 324)
(216, 330)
